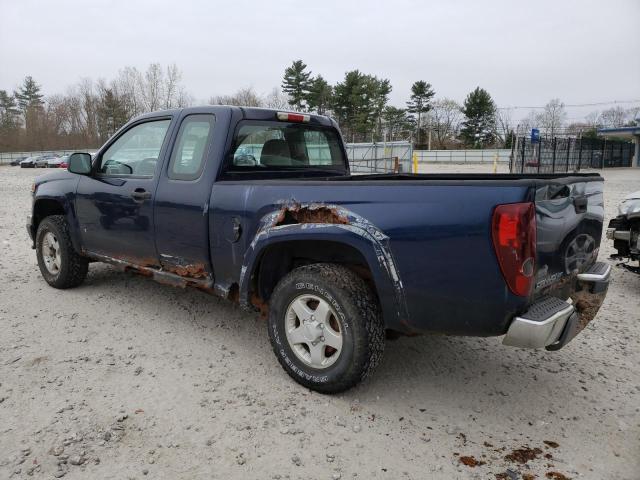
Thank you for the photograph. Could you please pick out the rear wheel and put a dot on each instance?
(59, 263)
(325, 327)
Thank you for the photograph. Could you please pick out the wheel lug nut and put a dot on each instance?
(322, 339)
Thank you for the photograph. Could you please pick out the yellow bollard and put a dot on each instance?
(495, 163)
(415, 162)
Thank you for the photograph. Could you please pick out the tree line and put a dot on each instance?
(89, 112)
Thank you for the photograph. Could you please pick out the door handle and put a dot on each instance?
(140, 194)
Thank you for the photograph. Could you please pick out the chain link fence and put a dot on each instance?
(7, 157)
(562, 155)
(383, 157)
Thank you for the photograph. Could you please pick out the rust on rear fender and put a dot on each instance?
(293, 213)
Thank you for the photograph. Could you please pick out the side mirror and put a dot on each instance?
(80, 163)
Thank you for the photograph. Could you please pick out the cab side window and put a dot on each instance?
(191, 147)
(136, 151)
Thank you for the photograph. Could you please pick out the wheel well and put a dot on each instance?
(280, 259)
(45, 208)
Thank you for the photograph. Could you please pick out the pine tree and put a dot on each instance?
(28, 95)
(296, 83)
(480, 124)
(397, 123)
(358, 102)
(8, 111)
(30, 102)
(319, 95)
(9, 122)
(111, 113)
(420, 101)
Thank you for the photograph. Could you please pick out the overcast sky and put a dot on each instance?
(522, 52)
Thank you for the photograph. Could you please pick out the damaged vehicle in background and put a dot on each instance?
(259, 207)
(624, 230)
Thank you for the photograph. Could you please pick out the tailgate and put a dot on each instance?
(569, 219)
(569, 285)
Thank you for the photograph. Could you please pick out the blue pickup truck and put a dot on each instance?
(259, 206)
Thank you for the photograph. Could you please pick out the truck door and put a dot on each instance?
(182, 200)
(114, 205)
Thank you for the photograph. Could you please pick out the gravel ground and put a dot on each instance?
(126, 378)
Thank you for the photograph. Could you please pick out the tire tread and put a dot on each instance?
(75, 271)
(370, 315)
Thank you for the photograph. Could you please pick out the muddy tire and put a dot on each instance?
(59, 263)
(325, 327)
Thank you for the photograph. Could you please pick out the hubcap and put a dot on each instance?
(51, 253)
(579, 251)
(313, 331)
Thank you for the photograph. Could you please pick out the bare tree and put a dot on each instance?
(151, 87)
(592, 119)
(504, 124)
(171, 85)
(552, 117)
(613, 117)
(127, 86)
(528, 122)
(276, 100)
(246, 97)
(445, 118)
(633, 115)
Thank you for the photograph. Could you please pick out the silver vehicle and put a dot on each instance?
(624, 230)
(43, 161)
(29, 162)
(57, 162)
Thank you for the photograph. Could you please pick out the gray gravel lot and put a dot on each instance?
(126, 378)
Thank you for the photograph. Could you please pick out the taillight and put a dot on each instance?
(293, 117)
(513, 228)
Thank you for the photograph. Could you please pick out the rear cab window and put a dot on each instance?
(281, 146)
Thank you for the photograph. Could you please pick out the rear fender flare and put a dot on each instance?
(356, 232)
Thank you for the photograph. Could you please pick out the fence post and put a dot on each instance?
(524, 141)
(554, 143)
(539, 154)
(580, 155)
(568, 151)
(396, 165)
(514, 142)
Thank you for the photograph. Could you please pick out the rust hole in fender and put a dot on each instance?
(292, 215)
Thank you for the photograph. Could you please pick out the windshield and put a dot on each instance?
(286, 146)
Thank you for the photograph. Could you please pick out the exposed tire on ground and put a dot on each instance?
(60, 265)
(325, 327)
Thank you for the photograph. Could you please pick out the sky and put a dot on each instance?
(523, 53)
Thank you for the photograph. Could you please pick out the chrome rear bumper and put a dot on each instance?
(552, 322)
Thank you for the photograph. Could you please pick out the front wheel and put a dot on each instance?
(325, 327)
(59, 263)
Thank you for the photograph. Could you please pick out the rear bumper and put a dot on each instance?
(552, 322)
